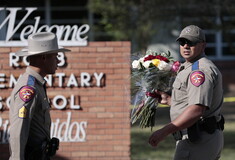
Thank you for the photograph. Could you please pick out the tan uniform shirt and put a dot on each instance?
(209, 93)
(29, 114)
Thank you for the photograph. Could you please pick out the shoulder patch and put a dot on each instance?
(197, 78)
(27, 93)
(22, 112)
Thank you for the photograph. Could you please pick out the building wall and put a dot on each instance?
(100, 129)
(227, 69)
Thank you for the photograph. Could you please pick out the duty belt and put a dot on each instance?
(208, 125)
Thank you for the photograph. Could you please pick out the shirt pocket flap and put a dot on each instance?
(177, 85)
(45, 104)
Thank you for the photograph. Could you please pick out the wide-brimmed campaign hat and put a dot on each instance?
(41, 43)
(192, 33)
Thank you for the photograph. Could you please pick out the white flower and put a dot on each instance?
(164, 54)
(147, 63)
(164, 66)
(136, 64)
(141, 60)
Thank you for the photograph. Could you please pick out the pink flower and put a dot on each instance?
(175, 67)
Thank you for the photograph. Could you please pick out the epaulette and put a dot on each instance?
(27, 92)
(197, 77)
(31, 81)
(195, 66)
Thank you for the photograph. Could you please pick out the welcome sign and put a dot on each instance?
(66, 34)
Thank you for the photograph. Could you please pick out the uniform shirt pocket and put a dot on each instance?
(46, 110)
(177, 85)
(179, 92)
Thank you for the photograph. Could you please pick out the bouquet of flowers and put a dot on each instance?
(152, 72)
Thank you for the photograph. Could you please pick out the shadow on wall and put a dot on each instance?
(58, 157)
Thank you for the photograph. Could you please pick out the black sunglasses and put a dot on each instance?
(182, 42)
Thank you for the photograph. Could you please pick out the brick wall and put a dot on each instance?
(102, 122)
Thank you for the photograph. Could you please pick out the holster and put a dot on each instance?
(52, 146)
(208, 125)
(36, 151)
(194, 132)
(221, 123)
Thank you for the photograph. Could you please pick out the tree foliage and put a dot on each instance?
(132, 20)
(138, 20)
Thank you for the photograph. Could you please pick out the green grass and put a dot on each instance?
(229, 141)
(141, 150)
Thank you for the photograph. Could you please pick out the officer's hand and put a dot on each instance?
(165, 98)
(156, 137)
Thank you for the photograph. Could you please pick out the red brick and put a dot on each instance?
(105, 115)
(126, 44)
(105, 49)
(79, 154)
(122, 49)
(5, 49)
(96, 154)
(96, 109)
(119, 44)
(15, 49)
(88, 49)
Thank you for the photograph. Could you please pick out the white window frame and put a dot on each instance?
(218, 45)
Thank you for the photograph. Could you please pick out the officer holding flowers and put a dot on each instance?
(197, 96)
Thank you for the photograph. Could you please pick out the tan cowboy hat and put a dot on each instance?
(41, 43)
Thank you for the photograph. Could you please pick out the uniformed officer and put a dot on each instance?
(29, 107)
(196, 100)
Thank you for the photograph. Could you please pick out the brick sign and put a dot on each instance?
(90, 97)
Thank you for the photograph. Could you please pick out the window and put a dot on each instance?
(220, 44)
